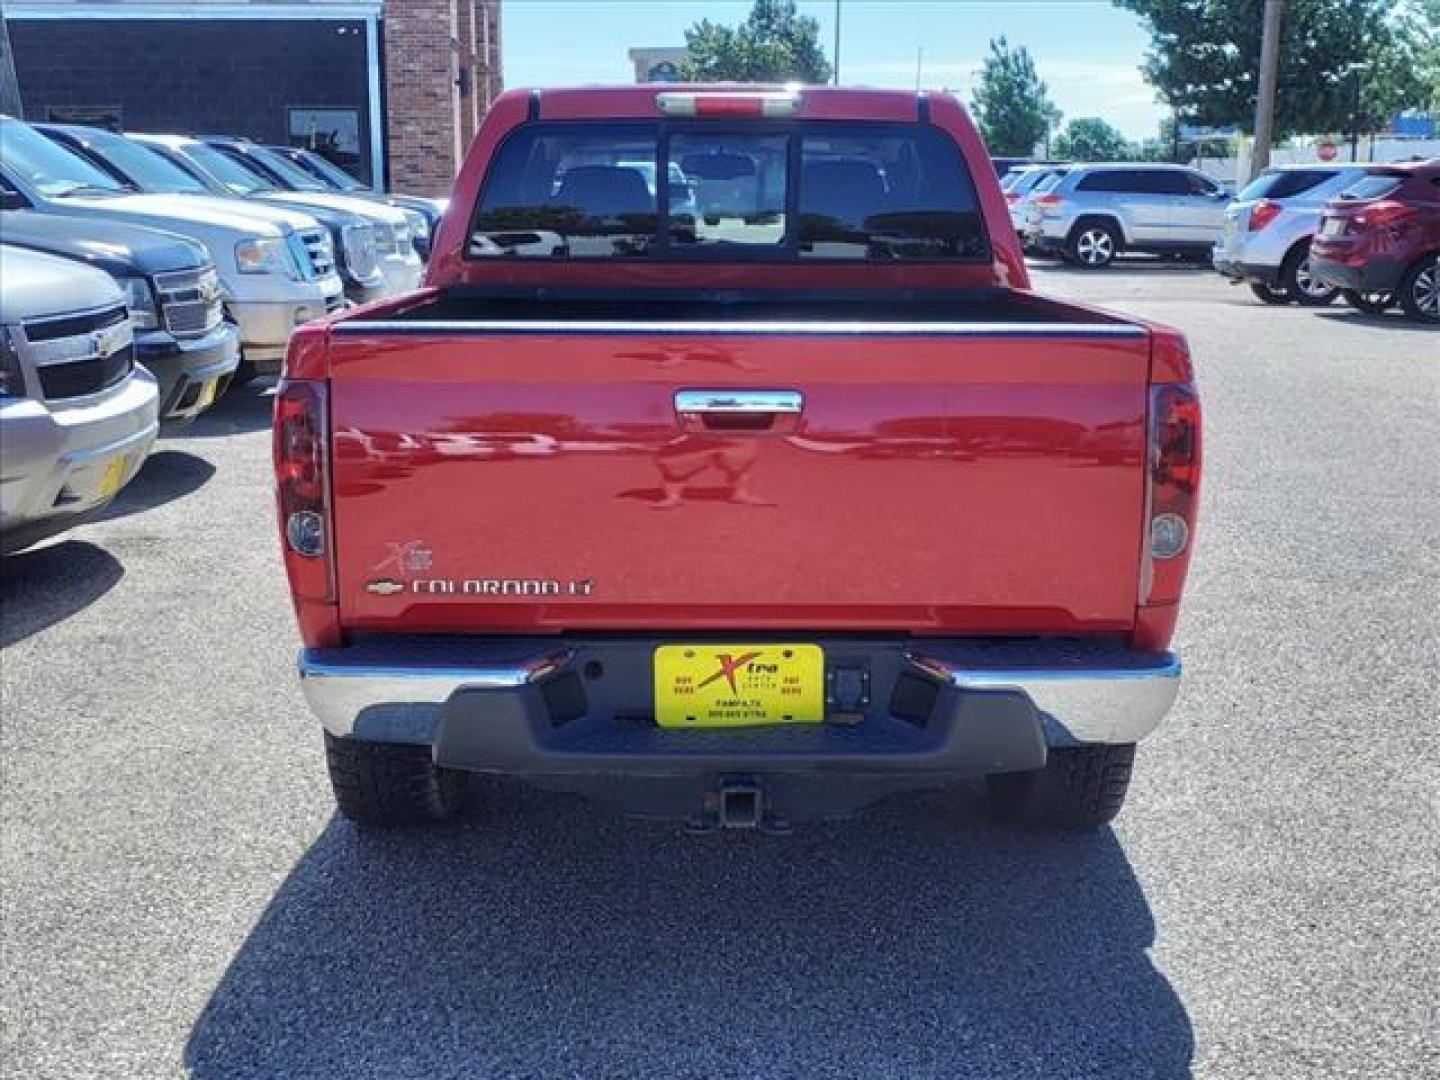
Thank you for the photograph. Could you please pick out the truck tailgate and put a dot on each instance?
(949, 480)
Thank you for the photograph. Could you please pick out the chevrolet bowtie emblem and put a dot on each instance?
(384, 587)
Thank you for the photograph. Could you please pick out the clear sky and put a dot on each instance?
(1087, 51)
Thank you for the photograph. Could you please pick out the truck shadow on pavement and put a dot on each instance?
(549, 938)
(47, 585)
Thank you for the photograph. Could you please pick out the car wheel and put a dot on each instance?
(1300, 283)
(386, 784)
(1093, 245)
(1370, 303)
(1420, 290)
(1080, 787)
(1266, 294)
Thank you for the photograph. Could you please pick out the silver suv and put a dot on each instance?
(1268, 227)
(1091, 213)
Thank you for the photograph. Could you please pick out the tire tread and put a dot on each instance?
(1081, 787)
(387, 784)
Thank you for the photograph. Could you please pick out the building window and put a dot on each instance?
(332, 133)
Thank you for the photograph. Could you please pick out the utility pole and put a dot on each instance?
(9, 85)
(1355, 117)
(1269, 76)
(836, 66)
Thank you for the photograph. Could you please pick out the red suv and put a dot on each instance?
(1379, 240)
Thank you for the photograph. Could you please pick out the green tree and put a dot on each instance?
(1089, 138)
(773, 44)
(1418, 25)
(1204, 60)
(1010, 103)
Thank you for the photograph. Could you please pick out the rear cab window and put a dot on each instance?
(677, 190)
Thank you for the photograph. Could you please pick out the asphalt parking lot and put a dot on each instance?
(179, 898)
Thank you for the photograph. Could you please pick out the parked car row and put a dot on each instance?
(143, 275)
(286, 246)
(1311, 233)
(1304, 233)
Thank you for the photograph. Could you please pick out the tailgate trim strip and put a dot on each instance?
(794, 328)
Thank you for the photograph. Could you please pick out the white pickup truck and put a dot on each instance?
(276, 266)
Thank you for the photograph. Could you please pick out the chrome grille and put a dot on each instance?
(319, 251)
(190, 301)
(80, 354)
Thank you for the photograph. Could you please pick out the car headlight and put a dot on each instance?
(401, 232)
(359, 242)
(266, 255)
(141, 301)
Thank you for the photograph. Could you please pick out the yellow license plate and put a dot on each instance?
(723, 686)
(207, 395)
(112, 476)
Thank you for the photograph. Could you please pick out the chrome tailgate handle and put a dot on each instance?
(738, 401)
(739, 411)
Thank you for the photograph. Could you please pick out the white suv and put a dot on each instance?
(1266, 243)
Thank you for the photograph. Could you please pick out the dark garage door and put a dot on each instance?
(249, 77)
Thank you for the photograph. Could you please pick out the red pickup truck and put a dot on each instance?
(727, 467)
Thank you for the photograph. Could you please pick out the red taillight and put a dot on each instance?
(1384, 213)
(302, 474)
(1047, 199)
(1262, 213)
(728, 104)
(1011, 197)
(1174, 490)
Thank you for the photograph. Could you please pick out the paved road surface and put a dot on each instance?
(179, 897)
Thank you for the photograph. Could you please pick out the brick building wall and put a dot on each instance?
(442, 71)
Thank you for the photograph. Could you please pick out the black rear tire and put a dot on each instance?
(1296, 280)
(1420, 290)
(1080, 787)
(1369, 303)
(387, 784)
(1268, 295)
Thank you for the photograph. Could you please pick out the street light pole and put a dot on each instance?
(1269, 76)
(836, 66)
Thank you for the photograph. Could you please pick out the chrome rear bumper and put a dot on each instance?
(396, 690)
